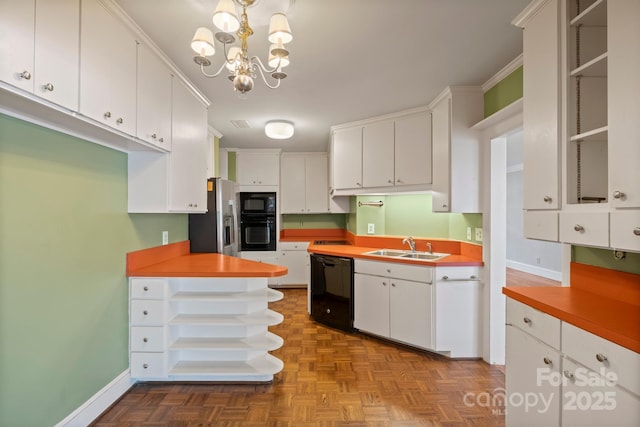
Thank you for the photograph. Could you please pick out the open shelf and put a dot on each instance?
(265, 365)
(268, 295)
(594, 135)
(264, 317)
(597, 67)
(594, 15)
(267, 341)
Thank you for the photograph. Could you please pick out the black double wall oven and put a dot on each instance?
(258, 221)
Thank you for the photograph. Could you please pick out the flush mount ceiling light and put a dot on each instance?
(241, 67)
(278, 129)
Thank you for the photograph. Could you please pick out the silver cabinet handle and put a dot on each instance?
(389, 181)
(601, 357)
(578, 228)
(527, 321)
(120, 120)
(145, 312)
(399, 180)
(393, 284)
(154, 136)
(145, 366)
(145, 339)
(384, 283)
(358, 184)
(48, 87)
(471, 278)
(569, 375)
(547, 199)
(161, 140)
(618, 195)
(547, 361)
(107, 115)
(146, 288)
(636, 231)
(25, 75)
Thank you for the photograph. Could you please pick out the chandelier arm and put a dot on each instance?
(212, 75)
(264, 79)
(261, 65)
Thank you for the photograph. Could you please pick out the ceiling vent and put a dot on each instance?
(241, 124)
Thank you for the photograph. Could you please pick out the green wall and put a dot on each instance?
(504, 93)
(404, 215)
(313, 221)
(604, 258)
(64, 233)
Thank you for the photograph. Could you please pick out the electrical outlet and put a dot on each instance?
(468, 233)
(371, 228)
(165, 237)
(478, 234)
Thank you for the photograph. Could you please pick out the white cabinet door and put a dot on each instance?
(377, 154)
(292, 184)
(625, 230)
(39, 48)
(585, 228)
(441, 156)
(541, 139)
(541, 225)
(531, 366)
(107, 69)
(188, 163)
(297, 262)
(346, 156)
(317, 183)
(154, 99)
(623, 36)
(410, 312)
(413, 149)
(258, 168)
(16, 43)
(371, 304)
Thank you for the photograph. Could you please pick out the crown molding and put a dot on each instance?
(530, 11)
(215, 132)
(502, 74)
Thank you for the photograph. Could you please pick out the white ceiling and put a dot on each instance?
(350, 59)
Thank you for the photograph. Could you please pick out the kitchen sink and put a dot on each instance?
(426, 256)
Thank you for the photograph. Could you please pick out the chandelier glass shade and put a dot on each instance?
(242, 68)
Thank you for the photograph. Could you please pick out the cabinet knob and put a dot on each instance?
(578, 228)
(527, 321)
(636, 231)
(120, 120)
(547, 361)
(393, 284)
(444, 205)
(388, 270)
(358, 184)
(146, 288)
(145, 366)
(145, 312)
(399, 180)
(107, 115)
(619, 195)
(48, 87)
(384, 283)
(25, 75)
(145, 339)
(569, 375)
(328, 311)
(154, 136)
(390, 181)
(161, 140)
(547, 199)
(601, 357)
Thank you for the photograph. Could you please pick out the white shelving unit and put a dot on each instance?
(203, 329)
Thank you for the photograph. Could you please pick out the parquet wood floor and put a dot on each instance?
(330, 379)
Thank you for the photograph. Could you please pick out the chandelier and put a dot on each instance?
(243, 68)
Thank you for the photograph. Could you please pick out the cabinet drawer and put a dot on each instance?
(294, 246)
(585, 228)
(148, 365)
(588, 349)
(416, 273)
(147, 338)
(540, 325)
(625, 230)
(541, 225)
(147, 313)
(148, 288)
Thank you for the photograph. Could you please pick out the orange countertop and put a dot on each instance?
(601, 301)
(175, 260)
(462, 253)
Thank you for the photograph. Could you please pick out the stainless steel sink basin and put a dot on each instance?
(386, 252)
(424, 255)
(392, 253)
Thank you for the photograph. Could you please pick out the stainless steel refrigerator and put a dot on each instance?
(216, 230)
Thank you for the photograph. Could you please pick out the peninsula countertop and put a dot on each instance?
(176, 260)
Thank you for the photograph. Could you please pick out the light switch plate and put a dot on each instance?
(165, 237)
(478, 234)
(371, 228)
(468, 233)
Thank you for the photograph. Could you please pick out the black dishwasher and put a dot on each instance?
(332, 291)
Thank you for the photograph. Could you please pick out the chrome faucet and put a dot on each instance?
(429, 248)
(411, 242)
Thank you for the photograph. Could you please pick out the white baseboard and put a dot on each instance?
(532, 269)
(99, 402)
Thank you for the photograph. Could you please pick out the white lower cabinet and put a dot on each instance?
(295, 257)
(559, 374)
(393, 301)
(267, 257)
(203, 329)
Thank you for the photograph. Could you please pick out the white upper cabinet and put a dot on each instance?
(39, 48)
(154, 99)
(456, 150)
(107, 69)
(304, 184)
(377, 153)
(413, 149)
(346, 156)
(623, 39)
(541, 110)
(258, 167)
